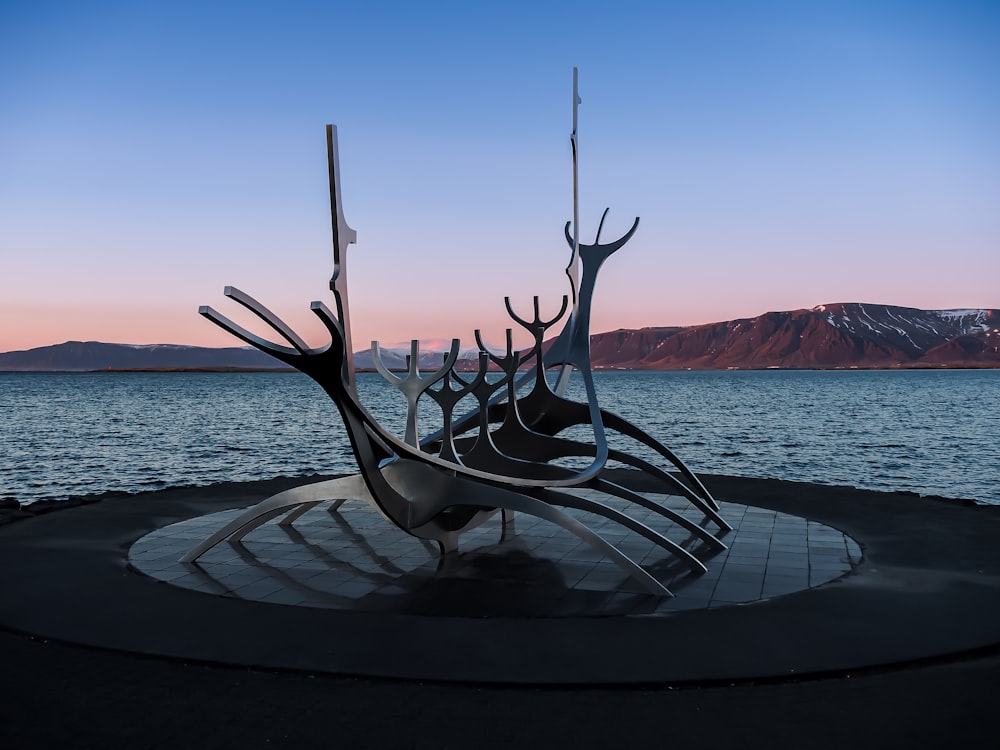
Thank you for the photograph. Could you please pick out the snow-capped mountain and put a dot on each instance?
(836, 335)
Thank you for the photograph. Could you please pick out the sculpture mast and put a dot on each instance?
(343, 236)
(573, 269)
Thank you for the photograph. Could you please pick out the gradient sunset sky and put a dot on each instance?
(780, 155)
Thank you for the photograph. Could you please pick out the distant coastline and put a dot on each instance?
(186, 369)
(843, 336)
(917, 366)
(288, 370)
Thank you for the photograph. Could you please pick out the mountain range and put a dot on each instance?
(836, 336)
(84, 356)
(841, 335)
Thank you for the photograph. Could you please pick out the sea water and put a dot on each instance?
(929, 432)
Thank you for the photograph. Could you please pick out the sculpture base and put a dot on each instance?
(926, 587)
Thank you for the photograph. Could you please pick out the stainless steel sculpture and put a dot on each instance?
(505, 454)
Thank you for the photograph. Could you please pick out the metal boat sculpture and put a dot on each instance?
(504, 455)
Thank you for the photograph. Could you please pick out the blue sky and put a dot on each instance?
(780, 155)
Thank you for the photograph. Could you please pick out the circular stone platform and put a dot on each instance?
(353, 559)
(928, 585)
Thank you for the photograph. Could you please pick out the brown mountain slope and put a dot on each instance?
(982, 348)
(828, 336)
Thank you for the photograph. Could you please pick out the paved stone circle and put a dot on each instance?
(352, 559)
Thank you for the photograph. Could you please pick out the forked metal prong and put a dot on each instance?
(276, 323)
(281, 352)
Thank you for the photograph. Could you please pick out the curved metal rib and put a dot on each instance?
(600, 509)
(675, 484)
(541, 447)
(264, 511)
(681, 520)
(625, 427)
(547, 413)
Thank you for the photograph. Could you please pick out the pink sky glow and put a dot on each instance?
(780, 155)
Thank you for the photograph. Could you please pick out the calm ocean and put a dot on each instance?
(930, 432)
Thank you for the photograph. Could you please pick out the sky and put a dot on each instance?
(780, 155)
